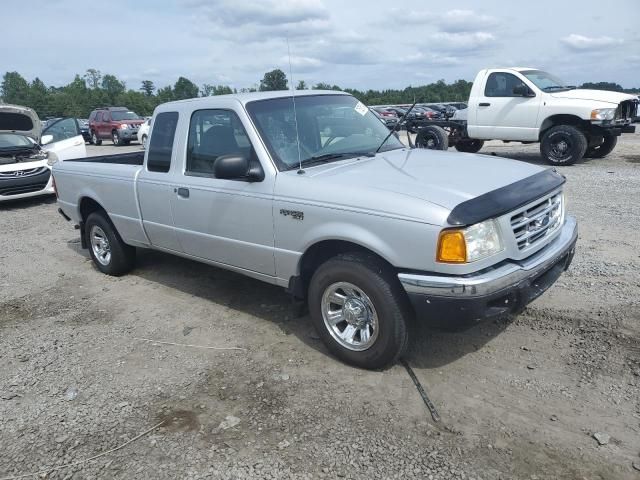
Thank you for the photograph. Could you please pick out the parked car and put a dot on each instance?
(143, 132)
(83, 124)
(331, 207)
(428, 112)
(390, 121)
(385, 112)
(458, 105)
(528, 105)
(119, 124)
(27, 151)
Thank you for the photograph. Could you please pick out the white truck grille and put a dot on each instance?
(537, 221)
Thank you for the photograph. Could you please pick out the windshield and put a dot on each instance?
(330, 127)
(11, 141)
(545, 81)
(118, 115)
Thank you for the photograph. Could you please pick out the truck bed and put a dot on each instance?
(130, 158)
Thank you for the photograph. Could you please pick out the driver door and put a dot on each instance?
(63, 138)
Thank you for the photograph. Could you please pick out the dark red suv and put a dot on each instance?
(119, 124)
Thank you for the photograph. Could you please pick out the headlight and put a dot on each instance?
(51, 158)
(603, 114)
(469, 244)
(124, 126)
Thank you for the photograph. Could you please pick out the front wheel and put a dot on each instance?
(115, 138)
(108, 252)
(433, 138)
(563, 145)
(469, 146)
(359, 310)
(605, 148)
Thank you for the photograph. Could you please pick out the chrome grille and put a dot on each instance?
(23, 173)
(534, 223)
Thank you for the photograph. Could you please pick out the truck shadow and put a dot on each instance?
(430, 348)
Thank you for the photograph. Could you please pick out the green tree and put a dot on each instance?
(273, 80)
(112, 87)
(165, 94)
(14, 88)
(147, 87)
(302, 85)
(93, 77)
(184, 88)
(322, 86)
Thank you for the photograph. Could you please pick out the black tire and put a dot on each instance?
(126, 142)
(563, 145)
(115, 138)
(605, 148)
(382, 290)
(121, 258)
(469, 146)
(95, 140)
(144, 142)
(433, 138)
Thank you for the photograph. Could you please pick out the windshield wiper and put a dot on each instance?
(327, 157)
(555, 87)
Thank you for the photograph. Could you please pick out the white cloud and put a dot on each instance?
(462, 43)
(456, 21)
(302, 64)
(583, 43)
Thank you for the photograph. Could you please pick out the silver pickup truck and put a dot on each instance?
(304, 192)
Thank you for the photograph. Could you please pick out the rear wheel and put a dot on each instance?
(563, 145)
(605, 148)
(108, 252)
(469, 146)
(115, 138)
(94, 139)
(433, 138)
(359, 310)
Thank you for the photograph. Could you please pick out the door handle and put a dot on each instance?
(182, 192)
(484, 104)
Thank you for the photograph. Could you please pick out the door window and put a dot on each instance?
(213, 133)
(62, 129)
(98, 117)
(161, 144)
(501, 84)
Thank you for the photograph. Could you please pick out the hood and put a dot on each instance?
(597, 95)
(21, 121)
(392, 181)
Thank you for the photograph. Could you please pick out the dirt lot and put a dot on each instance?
(518, 399)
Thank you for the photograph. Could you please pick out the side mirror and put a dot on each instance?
(46, 139)
(522, 90)
(237, 167)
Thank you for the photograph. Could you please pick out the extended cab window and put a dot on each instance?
(500, 84)
(213, 133)
(161, 144)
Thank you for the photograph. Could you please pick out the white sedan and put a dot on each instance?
(143, 132)
(27, 152)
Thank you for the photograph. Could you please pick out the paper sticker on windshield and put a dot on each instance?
(361, 108)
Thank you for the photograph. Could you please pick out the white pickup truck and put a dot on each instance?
(323, 200)
(528, 105)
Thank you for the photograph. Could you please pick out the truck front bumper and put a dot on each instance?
(456, 301)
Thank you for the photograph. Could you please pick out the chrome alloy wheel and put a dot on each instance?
(349, 316)
(100, 245)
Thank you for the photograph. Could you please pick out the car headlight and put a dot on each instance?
(603, 114)
(51, 158)
(469, 244)
(124, 126)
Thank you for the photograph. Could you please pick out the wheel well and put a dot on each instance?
(87, 207)
(563, 119)
(319, 253)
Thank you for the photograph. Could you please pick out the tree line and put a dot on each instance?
(95, 89)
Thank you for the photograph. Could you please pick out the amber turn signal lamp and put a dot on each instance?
(452, 247)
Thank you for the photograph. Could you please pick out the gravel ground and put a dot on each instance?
(553, 393)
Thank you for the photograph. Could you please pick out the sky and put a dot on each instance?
(352, 43)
